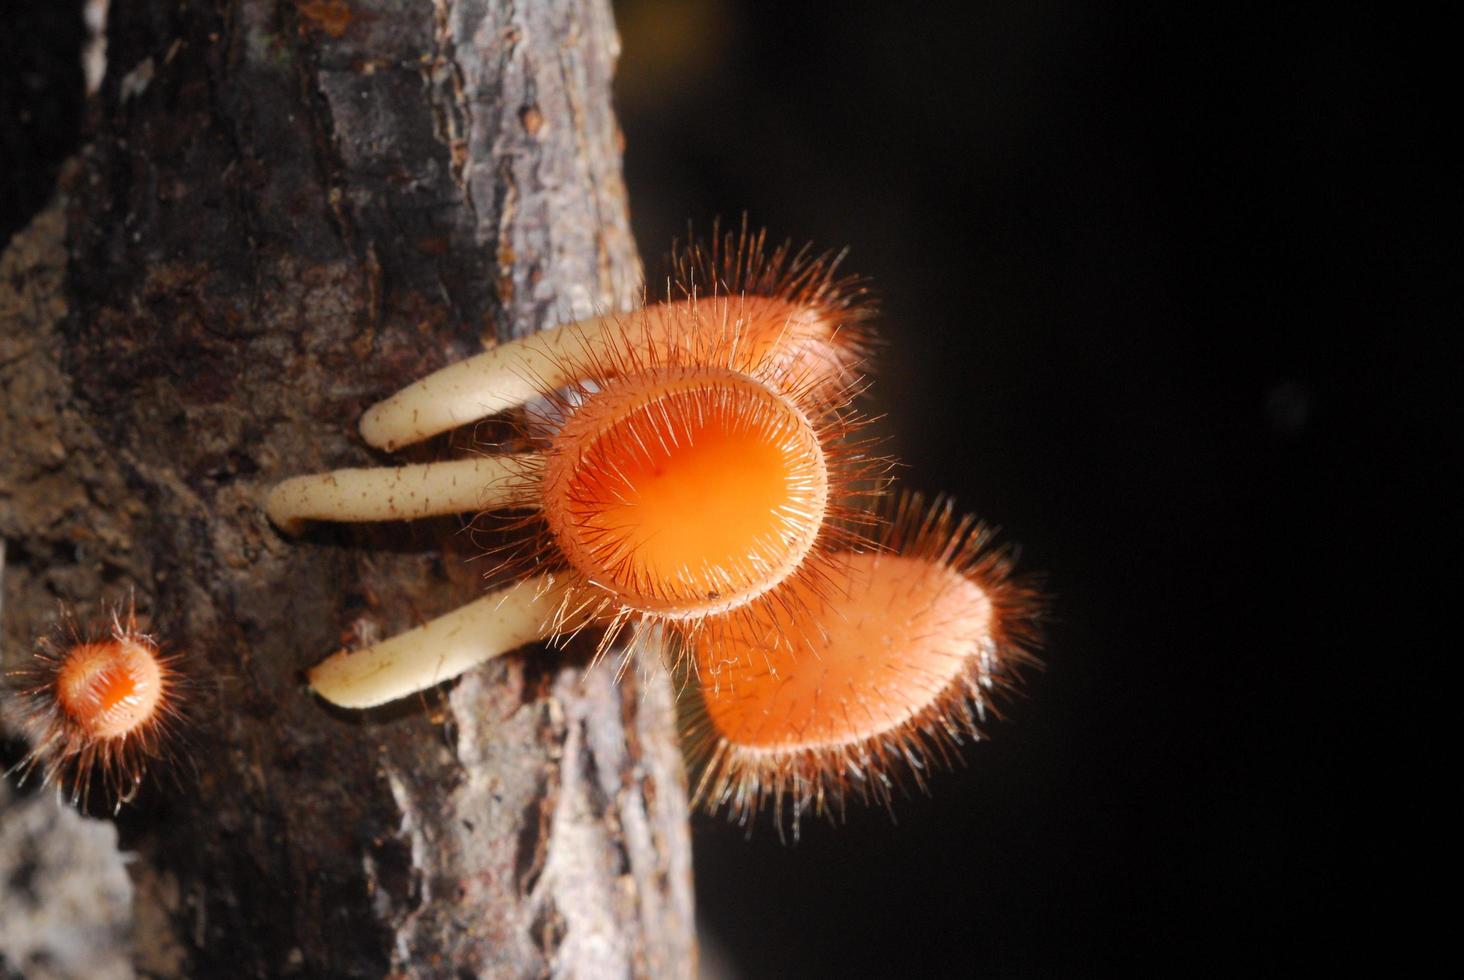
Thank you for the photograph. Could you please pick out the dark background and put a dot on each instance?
(1162, 288)
(1164, 296)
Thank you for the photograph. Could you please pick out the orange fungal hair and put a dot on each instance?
(97, 709)
(813, 702)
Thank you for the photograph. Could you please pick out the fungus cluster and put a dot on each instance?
(696, 465)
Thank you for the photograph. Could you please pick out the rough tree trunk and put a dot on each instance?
(283, 211)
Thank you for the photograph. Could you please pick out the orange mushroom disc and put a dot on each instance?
(98, 709)
(109, 689)
(686, 493)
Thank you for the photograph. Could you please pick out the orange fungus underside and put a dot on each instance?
(110, 689)
(834, 672)
(693, 497)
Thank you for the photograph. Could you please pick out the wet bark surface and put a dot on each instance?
(282, 212)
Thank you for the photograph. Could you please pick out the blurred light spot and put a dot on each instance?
(1289, 407)
(668, 47)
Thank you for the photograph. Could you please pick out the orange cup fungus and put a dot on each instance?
(98, 709)
(808, 702)
(687, 492)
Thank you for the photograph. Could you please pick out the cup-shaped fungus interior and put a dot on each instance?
(829, 672)
(688, 492)
(110, 689)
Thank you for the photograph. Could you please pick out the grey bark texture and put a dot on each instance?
(282, 212)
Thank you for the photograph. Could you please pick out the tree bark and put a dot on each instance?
(283, 211)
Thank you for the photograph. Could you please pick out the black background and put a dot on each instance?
(1163, 297)
(1164, 294)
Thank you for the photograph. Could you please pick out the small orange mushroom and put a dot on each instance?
(98, 709)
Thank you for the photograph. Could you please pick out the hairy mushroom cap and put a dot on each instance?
(97, 709)
(839, 694)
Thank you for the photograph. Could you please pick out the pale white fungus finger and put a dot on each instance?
(505, 377)
(399, 493)
(444, 648)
